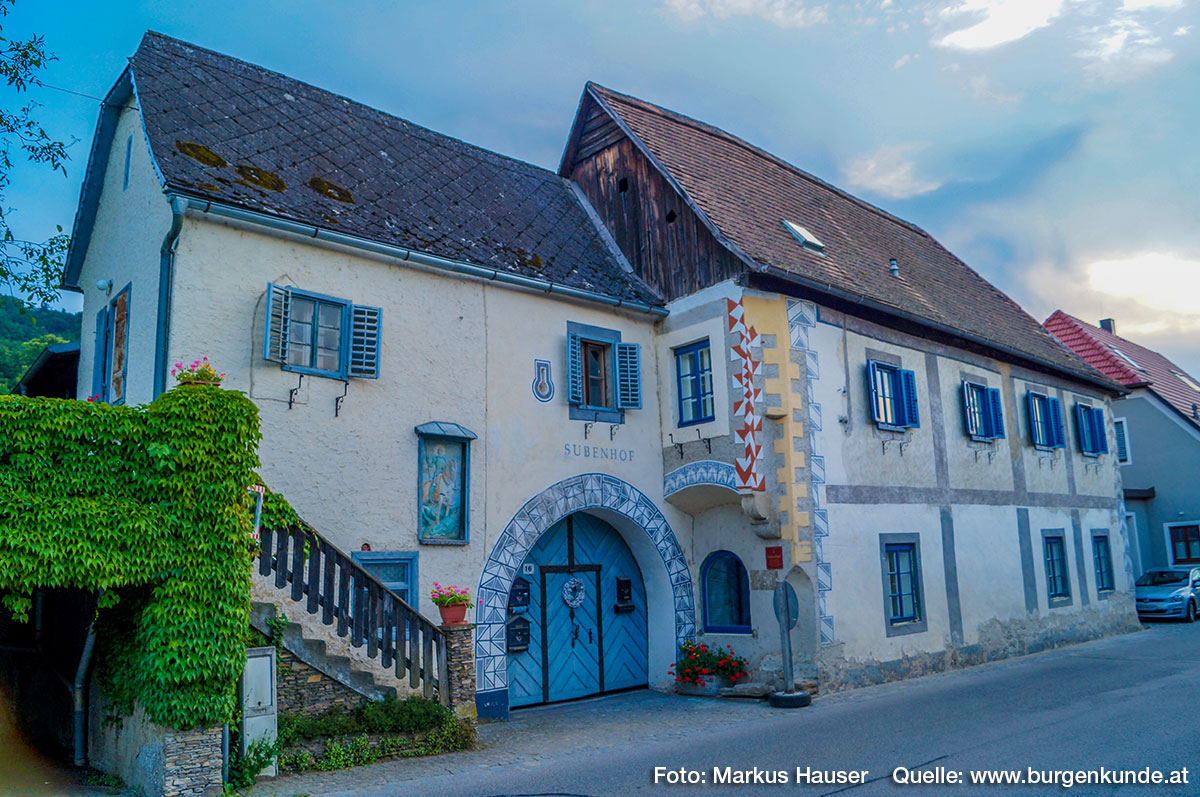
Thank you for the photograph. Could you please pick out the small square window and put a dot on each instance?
(893, 395)
(1045, 420)
(693, 372)
(1185, 544)
(903, 595)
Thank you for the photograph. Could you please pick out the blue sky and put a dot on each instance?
(1051, 144)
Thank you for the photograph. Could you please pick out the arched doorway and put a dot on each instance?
(578, 615)
(670, 601)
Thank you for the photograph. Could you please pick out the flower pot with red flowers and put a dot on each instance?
(452, 603)
(199, 373)
(704, 671)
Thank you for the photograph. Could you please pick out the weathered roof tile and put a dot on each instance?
(410, 186)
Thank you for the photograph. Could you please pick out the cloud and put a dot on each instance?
(984, 90)
(781, 13)
(1123, 49)
(888, 172)
(904, 59)
(1149, 294)
(1140, 5)
(1182, 30)
(999, 21)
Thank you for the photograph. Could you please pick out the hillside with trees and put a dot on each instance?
(23, 336)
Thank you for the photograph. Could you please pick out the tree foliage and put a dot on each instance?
(151, 505)
(23, 335)
(30, 271)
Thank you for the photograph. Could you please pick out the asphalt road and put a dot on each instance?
(1125, 703)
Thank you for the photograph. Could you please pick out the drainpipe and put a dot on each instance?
(79, 694)
(166, 278)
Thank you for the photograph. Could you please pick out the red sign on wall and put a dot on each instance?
(775, 557)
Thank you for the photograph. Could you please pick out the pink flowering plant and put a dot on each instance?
(449, 596)
(199, 371)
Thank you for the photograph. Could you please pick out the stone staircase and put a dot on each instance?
(344, 669)
(343, 621)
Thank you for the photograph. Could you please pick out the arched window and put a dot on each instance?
(726, 588)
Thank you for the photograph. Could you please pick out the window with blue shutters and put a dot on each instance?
(893, 393)
(1045, 420)
(310, 333)
(983, 411)
(1090, 431)
(110, 358)
(693, 377)
(1121, 434)
(100, 356)
(604, 375)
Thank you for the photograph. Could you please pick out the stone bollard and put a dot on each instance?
(460, 664)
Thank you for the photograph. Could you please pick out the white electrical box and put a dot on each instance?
(259, 715)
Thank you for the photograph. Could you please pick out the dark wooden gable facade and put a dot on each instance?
(661, 234)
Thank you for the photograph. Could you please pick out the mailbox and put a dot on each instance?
(518, 635)
(518, 596)
(624, 603)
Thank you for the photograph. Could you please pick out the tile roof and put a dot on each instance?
(1096, 346)
(747, 194)
(235, 133)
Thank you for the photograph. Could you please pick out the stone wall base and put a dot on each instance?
(164, 762)
(997, 640)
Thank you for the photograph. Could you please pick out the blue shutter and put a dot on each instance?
(275, 334)
(629, 376)
(365, 323)
(574, 369)
(1057, 434)
(1100, 432)
(1029, 403)
(873, 390)
(908, 396)
(100, 357)
(995, 413)
(965, 392)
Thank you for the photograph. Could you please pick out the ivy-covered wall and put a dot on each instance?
(149, 504)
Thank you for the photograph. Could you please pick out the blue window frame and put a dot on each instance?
(1089, 426)
(726, 594)
(396, 570)
(110, 359)
(604, 375)
(983, 411)
(893, 393)
(1045, 420)
(1102, 554)
(310, 333)
(693, 373)
(1057, 583)
(904, 595)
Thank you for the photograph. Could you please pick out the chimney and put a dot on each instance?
(1108, 325)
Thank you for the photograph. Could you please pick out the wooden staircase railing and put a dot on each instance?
(337, 588)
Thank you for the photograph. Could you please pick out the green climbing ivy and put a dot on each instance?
(149, 504)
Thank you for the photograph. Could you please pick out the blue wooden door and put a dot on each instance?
(572, 666)
(600, 645)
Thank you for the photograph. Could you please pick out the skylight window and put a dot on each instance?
(1187, 380)
(806, 238)
(1127, 358)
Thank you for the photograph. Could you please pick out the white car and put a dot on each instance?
(1169, 592)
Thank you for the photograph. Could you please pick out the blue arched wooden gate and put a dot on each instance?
(577, 615)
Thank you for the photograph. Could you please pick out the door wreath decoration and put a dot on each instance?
(573, 593)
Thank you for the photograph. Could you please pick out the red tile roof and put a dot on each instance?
(1099, 348)
(747, 194)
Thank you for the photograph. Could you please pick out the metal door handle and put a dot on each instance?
(589, 636)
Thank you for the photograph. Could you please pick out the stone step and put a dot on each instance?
(313, 653)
